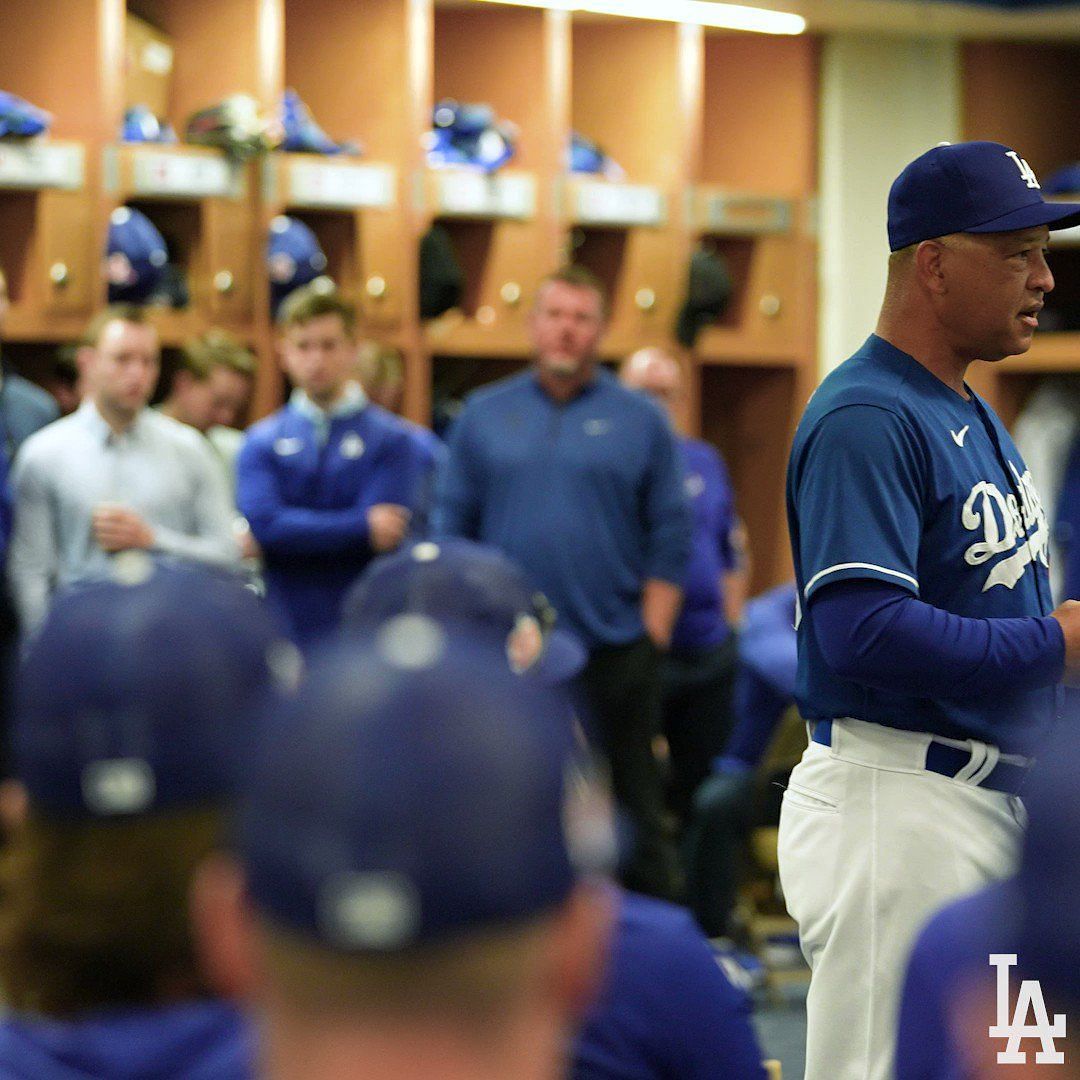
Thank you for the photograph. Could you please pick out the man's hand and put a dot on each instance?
(387, 525)
(117, 528)
(1069, 617)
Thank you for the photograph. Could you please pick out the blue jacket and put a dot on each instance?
(205, 1040)
(307, 501)
(666, 1008)
(702, 622)
(586, 496)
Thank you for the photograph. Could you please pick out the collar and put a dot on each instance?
(599, 374)
(352, 401)
(90, 417)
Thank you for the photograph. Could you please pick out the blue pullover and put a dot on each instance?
(702, 623)
(585, 495)
(306, 492)
(202, 1040)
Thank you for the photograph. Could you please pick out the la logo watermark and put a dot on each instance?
(1028, 1000)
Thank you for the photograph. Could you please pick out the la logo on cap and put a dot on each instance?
(1027, 173)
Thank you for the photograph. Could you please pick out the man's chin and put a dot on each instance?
(565, 369)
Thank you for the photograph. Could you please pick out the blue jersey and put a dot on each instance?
(895, 477)
(666, 1009)
(702, 622)
(306, 499)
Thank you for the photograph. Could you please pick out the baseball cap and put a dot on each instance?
(136, 256)
(293, 257)
(134, 696)
(708, 293)
(415, 789)
(460, 581)
(974, 187)
(1048, 882)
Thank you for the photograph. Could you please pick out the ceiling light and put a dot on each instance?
(700, 12)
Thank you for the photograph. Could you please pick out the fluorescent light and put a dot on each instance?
(700, 12)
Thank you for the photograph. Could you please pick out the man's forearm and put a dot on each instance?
(660, 604)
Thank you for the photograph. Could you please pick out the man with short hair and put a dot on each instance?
(210, 392)
(699, 670)
(113, 476)
(414, 892)
(930, 651)
(133, 709)
(577, 479)
(24, 406)
(329, 480)
(666, 1007)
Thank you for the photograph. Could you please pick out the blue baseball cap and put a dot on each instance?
(463, 582)
(134, 696)
(972, 187)
(293, 257)
(1048, 882)
(415, 789)
(136, 256)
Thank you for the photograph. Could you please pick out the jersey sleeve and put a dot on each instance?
(857, 499)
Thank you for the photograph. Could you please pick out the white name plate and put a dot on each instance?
(42, 165)
(339, 185)
(467, 194)
(618, 204)
(184, 176)
(745, 215)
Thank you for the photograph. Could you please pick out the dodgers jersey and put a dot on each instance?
(895, 477)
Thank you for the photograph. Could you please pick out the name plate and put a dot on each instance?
(618, 204)
(744, 214)
(184, 176)
(42, 165)
(467, 194)
(340, 185)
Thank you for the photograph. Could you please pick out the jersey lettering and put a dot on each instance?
(1006, 524)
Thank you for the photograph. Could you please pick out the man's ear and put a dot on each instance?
(223, 928)
(581, 945)
(930, 258)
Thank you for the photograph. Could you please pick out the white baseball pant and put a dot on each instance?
(870, 845)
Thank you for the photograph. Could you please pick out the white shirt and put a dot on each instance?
(161, 469)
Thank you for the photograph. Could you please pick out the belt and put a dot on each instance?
(948, 760)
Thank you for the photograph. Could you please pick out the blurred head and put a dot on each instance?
(122, 361)
(318, 342)
(472, 589)
(212, 386)
(413, 846)
(1041, 928)
(4, 301)
(382, 374)
(131, 708)
(567, 322)
(66, 381)
(655, 372)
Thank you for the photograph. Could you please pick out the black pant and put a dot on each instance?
(621, 688)
(696, 689)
